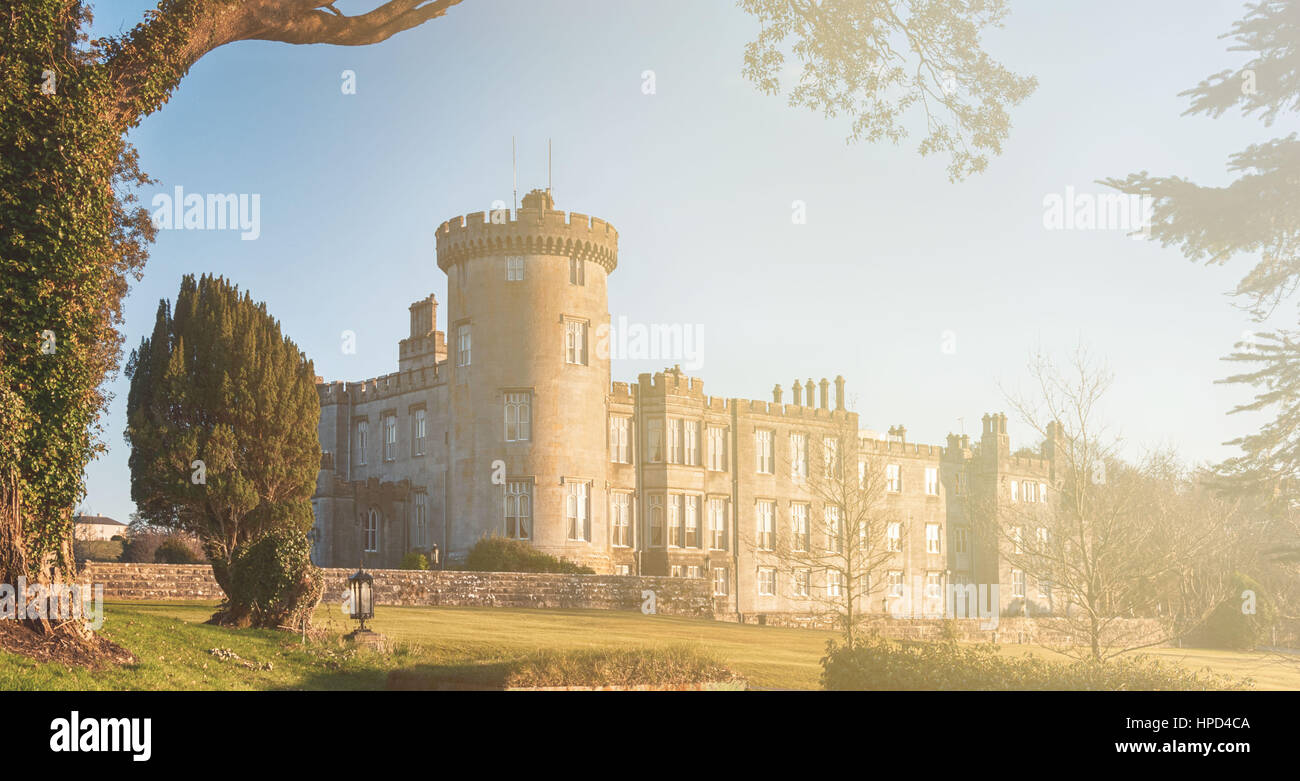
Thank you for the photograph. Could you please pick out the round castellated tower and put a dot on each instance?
(527, 309)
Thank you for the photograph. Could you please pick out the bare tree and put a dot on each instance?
(1114, 540)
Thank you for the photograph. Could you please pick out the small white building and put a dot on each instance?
(96, 527)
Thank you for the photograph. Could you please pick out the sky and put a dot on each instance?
(927, 296)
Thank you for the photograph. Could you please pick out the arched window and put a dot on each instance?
(372, 531)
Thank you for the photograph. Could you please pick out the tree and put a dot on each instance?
(873, 61)
(1115, 540)
(1256, 215)
(836, 549)
(221, 419)
(73, 234)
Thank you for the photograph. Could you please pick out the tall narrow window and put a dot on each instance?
(674, 440)
(463, 345)
(895, 581)
(719, 581)
(932, 538)
(620, 520)
(419, 430)
(421, 520)
(514, 268)
(894, 537)
(833, 580)
(519, 416)
(717, 449)
(654, 441)
(363, 432)
(799, 581)
(675, 520)
(692, 510)
(372, 531)
(519, 509)
(765, 515)
(799, 527)
(1015, 491)
(931, 481)
(656, 513)
(390, 437)
(893, 478)
(766, 581)
(575, 342)
(798, 456)
(830, 457)
(691, 443)
(1018, 583)
(718, 524)
(577, 271)
(834, 528)
(763, 451)
(961, 540)
(620, 449)
(577, 508)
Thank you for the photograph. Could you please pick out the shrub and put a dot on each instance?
(500, 554)
(1230, 627)
(173, 550)
(668, 666)
(97, 550)
(415, 560)
(876, 664)
(271, 582)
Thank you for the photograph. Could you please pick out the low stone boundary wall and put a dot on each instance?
(673, 596)
(1009, 629)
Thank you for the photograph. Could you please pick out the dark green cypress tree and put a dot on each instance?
(221, 419)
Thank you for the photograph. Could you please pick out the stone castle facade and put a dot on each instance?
(507, 423)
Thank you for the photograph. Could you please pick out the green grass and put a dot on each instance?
(171, 644)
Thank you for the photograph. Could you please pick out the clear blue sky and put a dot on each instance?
(699, 180)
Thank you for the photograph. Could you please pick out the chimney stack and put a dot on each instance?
(839, 392)
(825, 396)
(798, 394)
(776, 394)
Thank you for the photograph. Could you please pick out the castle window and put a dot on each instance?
(577, 271)
(691, 443)
(674, 441)
(893, 478)
(620, 516)
(575, 342)
(834, 529)
(1042, 492)
(798, 456)
(363, 428)
(799, 581)
(675, 520)
(932, 481)
(654, 441)
(1015, 491)
(519, 509)
(514, 268)
(766, 581)
(622, 569)
(1042, 538)
(834, 579)
(620, 449)
(719, 581)
(1018, 539)
(961, 484)
(675, 571)
(933, 585)
(1018, 583)
(894, 537)
(830, 457)
(717, 448)
(718, 524)
(895, 580)
(692, 570)
(961, 540)
(519, 416)
(421, 520)
(463, 345)
(1031, 491)
(656, 520)
(799, 526)
(932, 538)
(692, 521)
(372, 530)
(390, 437)
(577, 509)
(765, 514)
(763, 451)
(418, 431)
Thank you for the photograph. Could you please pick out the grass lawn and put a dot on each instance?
(172, 644)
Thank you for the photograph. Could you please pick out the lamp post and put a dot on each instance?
(362, 588)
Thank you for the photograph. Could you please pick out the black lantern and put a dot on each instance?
(362, 588)
(434, 555)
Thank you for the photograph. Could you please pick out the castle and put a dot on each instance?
(514, 428)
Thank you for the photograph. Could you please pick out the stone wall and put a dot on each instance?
(673, 596)
(1009, 630)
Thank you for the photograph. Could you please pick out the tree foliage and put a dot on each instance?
(221, 418)
(873, 62)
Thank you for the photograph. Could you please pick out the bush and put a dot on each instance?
(174, 550)
(415, 560)
(876, 664)
(97, 550)
(500, 554)
(271, 582)
(671, 666)
(1229, 627)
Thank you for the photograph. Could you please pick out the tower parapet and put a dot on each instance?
(533, 229)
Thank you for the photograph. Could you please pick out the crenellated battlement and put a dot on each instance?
(534, 229)
(895, 447)
(375, 388)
